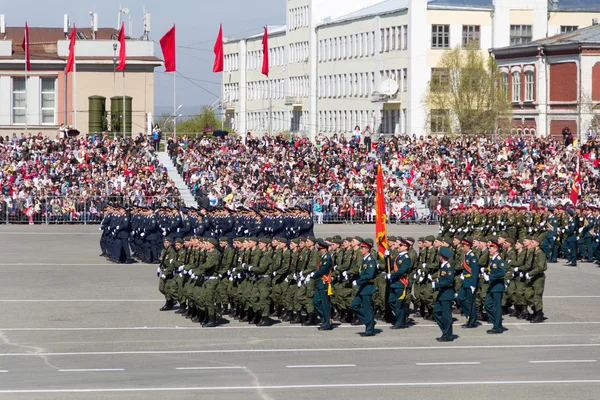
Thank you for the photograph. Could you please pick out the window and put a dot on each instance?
(516, 86)
(440, 36)
(520, 34)
(405, 79)
(19, 99)
(470, 33)
(439, 121)
(529, 86)
(568, 28)
(440, 80)
(405, 37)
(504, 83)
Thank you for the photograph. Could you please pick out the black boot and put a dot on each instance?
(532, 316)
(524, 313)
(233, 311)
(311, 319)
(516, 311)
(244, 315)
(286, 316)
(265, 321)
(422, 310)
(355, 320)
(341, 316)
(257, 318)
(182, 309)
(297, 318)
(212, 321)
(538, 317)
(199, 316)
(190, 311)
(206, 319)
(219, 310)
(168, 305)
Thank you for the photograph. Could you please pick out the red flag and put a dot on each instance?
(71, 59)
(25, 46)
(218, 49)
(576, 188)
(380, 221)
(122, 52)
(265, 43)
(167, 44)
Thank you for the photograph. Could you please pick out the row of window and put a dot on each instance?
(394, 38)
(298, 17)
(517, 81)
(261, 90)
(519, 34)
(231, 92)
(299, 52)
(231, 62)
(48, 101)
(352, 46)
(294, 121)
(344, 121)
(360, 84)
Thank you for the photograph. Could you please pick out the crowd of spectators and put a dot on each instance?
(335, 176)
(69, 179)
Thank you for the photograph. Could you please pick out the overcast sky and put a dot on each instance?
(197, 26)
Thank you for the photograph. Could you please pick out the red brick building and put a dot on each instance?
(553, 83)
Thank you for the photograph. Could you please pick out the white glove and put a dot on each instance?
(250, 268)
(580, 230)
(274, 273)
(300, 284)
(312, 274)
(388, 276)
(507, 282)
(472, 289)
(295, 276)
(307, 279)
(527, 276)
(180, 268)
(433, 285)
(429, 277)
(239, 275)
(345, 274)
(354, 283)
(516, 269)
(486, 277)
(243, 265)
(171, 261)
(301, 274)
(163, 276)
(520, 274)
(481, 270)
(231, 279)
(246, 231)
(99, 229)
(229, 272)
(117, 227)
(286, 280)
(387, 253)
(414, 276)
(180, 275)
(421, 279)
(462, 277)
(158, 270)
(142, 234)
(455, 295)
(335, 267)
(233, 270)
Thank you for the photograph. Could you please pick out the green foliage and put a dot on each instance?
(468, 87)
(206, 121)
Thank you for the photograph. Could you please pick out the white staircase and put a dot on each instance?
(186, 195)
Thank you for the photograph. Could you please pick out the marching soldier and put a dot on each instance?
(399, 287)
(443, 284)
(323, 285)
(470, 282)
(494, 274)
(362, 303)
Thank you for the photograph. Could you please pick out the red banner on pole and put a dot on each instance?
(265, 43)
(167, 44)
(122, 51)
(218, 49)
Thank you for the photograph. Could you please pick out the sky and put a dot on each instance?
(197, 27)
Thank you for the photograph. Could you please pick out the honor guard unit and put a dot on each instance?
(254, 266)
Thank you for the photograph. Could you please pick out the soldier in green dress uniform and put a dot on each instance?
(494, 274)
(362, 303)
(443, 284)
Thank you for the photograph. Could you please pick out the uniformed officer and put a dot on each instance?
(536, 280)
(362, 303)
(323, 286)
(470, 281)
(399, 287)
(571, 233)
(443, 284)
(494, 274)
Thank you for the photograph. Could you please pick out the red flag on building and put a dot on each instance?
(218, 49)
(167, 44)
(71, 59)
(122, 51)
(380, 222)
(265, 43)
(576, 188)
(25, 46)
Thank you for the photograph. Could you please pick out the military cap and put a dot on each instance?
(349, 239)
(495, 243)
(367, 244)
(570, 211)
(312, 239)
(279, 239)
(468, 241)
(438, 238)
(187, 238)
(539, 239)
(510, 240)
(529, 237)
(167, 239)
(297, 241)
(421, 239)
(358, 238)
(252, 239)
(431, 238)
(212, 241)
(223, 239)
(265, 240)
(551, 209)
(179, 240)
(403, 241)
(337, 237)
(503, 235)
(336, 241)
(446, 252)
(322, 243)
(448, 241)
(184, 210)
(410, 239)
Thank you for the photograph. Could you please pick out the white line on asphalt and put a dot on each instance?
(571, 297)
(3, 370)
(146, 352)
(81, 301)
(562, 361)
(451, 363)
(206, 368)
(92, 370)
(315, 386)
(279, 326)
(322, 366)
(64, 265)
(49, 233)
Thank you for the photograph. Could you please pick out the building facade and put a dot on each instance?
(332, 60)
(553, 83)
(45, 97)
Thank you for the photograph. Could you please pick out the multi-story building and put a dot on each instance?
(45, 97)
(336, 64)
(553, 83)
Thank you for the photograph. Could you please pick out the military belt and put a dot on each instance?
(210, 278)
(262, 276)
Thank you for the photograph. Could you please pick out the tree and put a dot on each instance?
(466, 89)
(165, 122)
(206, 121)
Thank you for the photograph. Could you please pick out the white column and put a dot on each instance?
(419, 33)
(34, 106)
(242, 114)
(313, 62)
(5, 100)
(542, 98)
(501, 23)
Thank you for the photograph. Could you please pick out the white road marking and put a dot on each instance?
(233, 351)
(571, 297)
(206, 368)
(315, 386)
(280, 326)
(451, 363)
(92, 370)
(65, 265)
(322, 366)
(81, 301)
(562, 361)
(50, 233)
(3, 370)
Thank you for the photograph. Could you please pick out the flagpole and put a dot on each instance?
(74, 90)
(124, 119)
(175, 104)
(26, 78)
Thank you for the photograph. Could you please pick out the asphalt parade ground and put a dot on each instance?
(75, 326)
